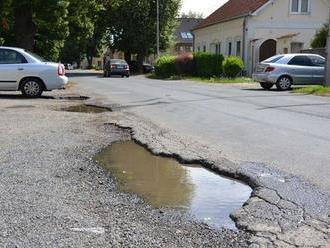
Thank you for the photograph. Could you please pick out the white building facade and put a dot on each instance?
(258, 29)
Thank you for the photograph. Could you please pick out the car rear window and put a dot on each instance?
(317, 61)
(36, 56)
(118, 61)
(273, 59)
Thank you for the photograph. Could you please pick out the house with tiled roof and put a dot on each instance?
(184, 40)
(258, 29)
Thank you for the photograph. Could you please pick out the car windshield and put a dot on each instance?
(36, 56)
(118, 61)
(273, 59)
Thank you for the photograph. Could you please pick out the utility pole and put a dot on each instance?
(327, 69)
(158, 52)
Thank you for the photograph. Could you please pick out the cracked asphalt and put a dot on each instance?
(242, 132)
(53, 194)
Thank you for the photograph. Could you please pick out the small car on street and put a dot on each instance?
(117, 67)
(23, 71)
(286, 70)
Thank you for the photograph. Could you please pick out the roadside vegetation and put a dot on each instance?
(318, 90)
(201, 67)
(74, 30)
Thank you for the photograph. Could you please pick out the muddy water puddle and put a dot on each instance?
(163, 182)
(83, 108)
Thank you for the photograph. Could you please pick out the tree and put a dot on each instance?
(35, 25)
(133, 26)
(192, 14)
(320, 39)
(82, 17)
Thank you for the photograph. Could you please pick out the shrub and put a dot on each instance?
(207, 64)
(92, 67)
(184, 64)
(165, 66)
(232, 66)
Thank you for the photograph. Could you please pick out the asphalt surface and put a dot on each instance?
(283, 130)
(277, 142)
(53, 194)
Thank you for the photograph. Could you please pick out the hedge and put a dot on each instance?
(233, 66)
(165, 66)
(207, 64)
(199, 64)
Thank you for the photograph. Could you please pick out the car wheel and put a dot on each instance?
(32, 88)
(284, 83)
(266, 86)
(122, 76)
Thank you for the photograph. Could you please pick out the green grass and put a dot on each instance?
(314, 90)
(218, 80)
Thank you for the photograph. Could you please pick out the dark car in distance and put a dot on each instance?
(146, 68)
(117, 67)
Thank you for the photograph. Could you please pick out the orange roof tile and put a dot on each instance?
(230, 10)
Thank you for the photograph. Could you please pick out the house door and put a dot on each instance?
(267, 50)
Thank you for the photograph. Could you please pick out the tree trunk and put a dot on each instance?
(128, 56)
(24, 27)
(140, 60)
(89, 61)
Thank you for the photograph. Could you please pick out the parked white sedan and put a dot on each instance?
(23, 71)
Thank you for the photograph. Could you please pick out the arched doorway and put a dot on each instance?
(267, 50)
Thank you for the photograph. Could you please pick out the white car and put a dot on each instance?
(23, 71)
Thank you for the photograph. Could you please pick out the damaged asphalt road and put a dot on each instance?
(52, 193)
(286, 209)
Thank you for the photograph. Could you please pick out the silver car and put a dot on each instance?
(290, 69)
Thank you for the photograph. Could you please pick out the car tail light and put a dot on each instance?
(60, 70)
(270, 69)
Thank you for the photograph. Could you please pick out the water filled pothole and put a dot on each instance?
(83, 108)
(163, 182)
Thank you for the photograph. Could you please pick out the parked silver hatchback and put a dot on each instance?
(290, 69)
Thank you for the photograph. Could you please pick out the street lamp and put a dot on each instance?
(158, 53)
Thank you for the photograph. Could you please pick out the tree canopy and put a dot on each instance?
(72, 30)
(320, 39)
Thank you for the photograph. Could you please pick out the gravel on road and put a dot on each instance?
(52, 193)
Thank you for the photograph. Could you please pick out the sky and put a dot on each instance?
(206, 7)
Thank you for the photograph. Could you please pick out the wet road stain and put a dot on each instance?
(163, 182)
(86, 109)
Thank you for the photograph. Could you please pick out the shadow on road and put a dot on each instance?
(20, 96)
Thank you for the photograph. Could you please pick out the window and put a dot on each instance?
(11, 57)
(301, 61)
(190, 36)
(199, 49)
(204, 49)
(229, 48)
(238, 48)
(317, 61)
(300, 6)
(273, 59)
(218, 48)
(296, 47)
(186, 35)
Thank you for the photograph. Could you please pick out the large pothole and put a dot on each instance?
(163, 182)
